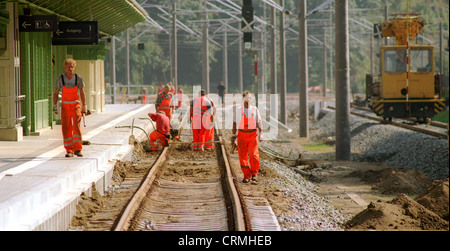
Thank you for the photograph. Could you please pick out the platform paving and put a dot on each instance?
(39, 187)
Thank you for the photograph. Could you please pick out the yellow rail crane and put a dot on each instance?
(407, 86)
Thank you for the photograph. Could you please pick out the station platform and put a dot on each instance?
(40, 188)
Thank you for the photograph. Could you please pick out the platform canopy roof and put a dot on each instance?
(113, 16)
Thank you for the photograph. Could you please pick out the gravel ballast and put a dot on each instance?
(396, 147)
(371, 142)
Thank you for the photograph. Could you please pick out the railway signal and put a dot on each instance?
(247, 23)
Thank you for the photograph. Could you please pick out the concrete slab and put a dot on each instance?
(39, 187)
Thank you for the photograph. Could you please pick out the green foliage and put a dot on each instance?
(318, 147)
(152, 65)
(442, 117)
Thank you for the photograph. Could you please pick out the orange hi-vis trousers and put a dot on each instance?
(165, 106)
(209, 137)
(247, 145)
(154, 136)
(70, 120)
(199, 139)
(200, 124)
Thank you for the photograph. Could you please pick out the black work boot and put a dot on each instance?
(78, 153)
(254, 179)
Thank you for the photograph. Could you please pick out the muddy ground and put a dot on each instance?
(374, 196)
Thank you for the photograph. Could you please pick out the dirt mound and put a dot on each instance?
(87, 207)
(395, 181)
(436, 198)
(402, 213)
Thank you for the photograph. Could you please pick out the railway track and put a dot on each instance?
(179, 189)
(186, 190)
(433, 129)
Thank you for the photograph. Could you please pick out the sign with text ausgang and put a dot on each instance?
(76, 33)
(38, 23)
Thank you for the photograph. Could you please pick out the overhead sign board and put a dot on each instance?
(76, 33)
(38, 23)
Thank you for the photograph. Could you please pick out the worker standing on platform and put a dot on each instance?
(200, 117)
(246, 121)
(180, 97)
(209, 136)
(173, 101)
(162, 131)
(71, 108)
(144, 95)
(163, 101)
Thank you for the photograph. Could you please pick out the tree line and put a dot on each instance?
(151, 65)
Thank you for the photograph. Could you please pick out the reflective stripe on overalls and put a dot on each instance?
(157, 136)
(247, 144)
(165, 105)
(71, 117)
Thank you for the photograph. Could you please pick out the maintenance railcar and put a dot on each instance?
(407, 86)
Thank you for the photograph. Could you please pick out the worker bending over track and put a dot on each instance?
(162, 132)
(71, 109)
(246, 121)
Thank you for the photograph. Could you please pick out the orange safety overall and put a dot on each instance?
(71, 118)
(155, 136)
(165, 105)
(161, 132)
(198, 126)
(179, 98)
(144, 97)
(247, 145)
(209, 136)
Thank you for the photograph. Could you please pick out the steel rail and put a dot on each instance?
(433, 123)
(125, 219)
(239, 222)
(409, 127)
(235, 198)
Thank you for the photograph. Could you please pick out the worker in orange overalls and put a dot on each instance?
(71, 108)
(201, 117)
(144, 95)
(162, 131)
(246, 121)
(180, 97)
(163, 101)
(209, 136)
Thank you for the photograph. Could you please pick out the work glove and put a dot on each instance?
(260, 137)
(84, 110)
(233, 139)
(55, 109)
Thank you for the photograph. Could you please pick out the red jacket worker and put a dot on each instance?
(162, 131)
